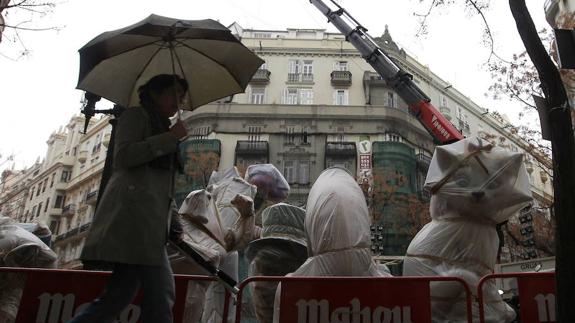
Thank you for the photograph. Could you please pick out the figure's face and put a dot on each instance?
(168, 101)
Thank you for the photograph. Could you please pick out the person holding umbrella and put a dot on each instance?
(130, 227)
(158, 60)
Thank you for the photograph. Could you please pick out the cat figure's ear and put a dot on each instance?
(473, 146)
(445, 160)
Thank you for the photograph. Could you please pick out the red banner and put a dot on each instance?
(537, 298)
(56, 296)
(398, 301)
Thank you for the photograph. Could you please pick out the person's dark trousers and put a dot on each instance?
(156, 282)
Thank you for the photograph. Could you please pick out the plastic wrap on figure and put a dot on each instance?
(474, 187)
(280, 251)
(337, 227)
(20, 248)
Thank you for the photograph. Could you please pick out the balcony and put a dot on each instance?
(55, 211)
(259, 148)
(341, 78)
(341, 149)
(262, 76)
(300, 78)
(92, 197)
(82, 156)
(73, 232)
(69, 210)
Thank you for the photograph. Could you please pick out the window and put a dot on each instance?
(304, 136)
(340, 66)
(307, 71)
(340, 97)
(291, 133)
(443, 101)
(44, 185)
(290, 96)
(306, 96)
(59, 201)
(31, 193)
(65, 176)
(47, 204)
(294, 66)
(303, 172)
(390, 136)
(33, 211)
(254, 133)
(257, 95)
(289, 171)
(54, 226)
(39, 209)
(297, 171)
(52, 180)
(262, 35)
(345, 163)
(391, 100)
(459, 113)
(298, 96)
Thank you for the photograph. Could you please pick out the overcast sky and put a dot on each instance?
(37, 92)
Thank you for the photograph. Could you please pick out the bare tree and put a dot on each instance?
(18, 16)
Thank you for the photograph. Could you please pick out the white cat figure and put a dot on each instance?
(474, 186)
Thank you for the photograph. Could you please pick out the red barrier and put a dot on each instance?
(357, 299)
(536, 296)
(51, 295)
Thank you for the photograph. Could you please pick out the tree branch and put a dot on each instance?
(29, 29)
(423, 22)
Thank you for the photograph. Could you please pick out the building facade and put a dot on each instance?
(315, 103)
(81, 194)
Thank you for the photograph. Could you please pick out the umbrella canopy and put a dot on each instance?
(204, 52)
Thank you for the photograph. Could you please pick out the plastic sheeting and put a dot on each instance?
(216, 222)
(197, 212)
(271, 184)
(280, 251)
(20, 248)
(337, 227)
(475, 186)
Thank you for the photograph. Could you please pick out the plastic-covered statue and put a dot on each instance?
(280, 251)
(474, 187)
(337, 227)
(19, 247)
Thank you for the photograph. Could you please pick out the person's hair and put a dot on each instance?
(159, 83)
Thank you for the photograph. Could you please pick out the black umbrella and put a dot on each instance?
(204, 52)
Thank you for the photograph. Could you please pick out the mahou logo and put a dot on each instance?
(314, 311)
(58, 308)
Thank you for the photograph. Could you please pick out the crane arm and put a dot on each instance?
(402, 82)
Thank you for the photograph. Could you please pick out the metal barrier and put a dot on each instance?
(50, 295)
(360, 299)
(536, 296)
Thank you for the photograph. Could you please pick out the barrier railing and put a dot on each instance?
(51, 295)
(359, 299)
(536, 295)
